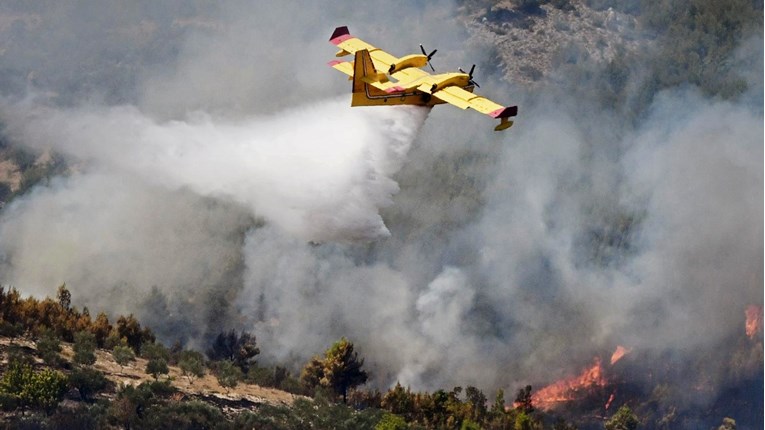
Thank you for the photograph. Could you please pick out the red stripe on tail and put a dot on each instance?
(340, 35)
(504, 112)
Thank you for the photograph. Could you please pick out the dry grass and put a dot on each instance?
(134, 374)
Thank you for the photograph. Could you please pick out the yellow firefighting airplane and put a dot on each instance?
(403, 82)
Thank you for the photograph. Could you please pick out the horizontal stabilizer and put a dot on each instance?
(380, 78)
(504, 112)
(340, 35)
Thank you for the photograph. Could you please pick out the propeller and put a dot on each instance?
(470, 75)
(429, 56)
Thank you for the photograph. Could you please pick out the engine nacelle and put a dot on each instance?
(414, 60)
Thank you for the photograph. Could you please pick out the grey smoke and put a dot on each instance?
(499, 259)
(316, 181)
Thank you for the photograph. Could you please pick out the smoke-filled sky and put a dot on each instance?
(215, 156)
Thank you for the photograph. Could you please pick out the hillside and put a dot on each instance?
(197, 167)
(532, 39)
(206, 388)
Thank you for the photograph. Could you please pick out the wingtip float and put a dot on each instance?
(380, 78)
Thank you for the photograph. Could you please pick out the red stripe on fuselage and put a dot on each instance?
(395, 89)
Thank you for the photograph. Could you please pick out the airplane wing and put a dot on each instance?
(382, 60)
(464, 99)
(350, 44)
(375, 62)
(343, 66)
(368, 74)
(409, 75)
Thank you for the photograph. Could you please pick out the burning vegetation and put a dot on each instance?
(591, 379)
(468, 206)
(753, 321)
(570, 389)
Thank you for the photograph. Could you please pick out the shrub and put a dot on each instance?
(239, 349)
(123, 355)
(21, 386)
(45, 389)
(158, 357)
(228, 374)
(49, 347)
(192, 364)
(391, 422)
(87, 382)
(185, 415)
(84, 348)
(81, 418)
(156, 367)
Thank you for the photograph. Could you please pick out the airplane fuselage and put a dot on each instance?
(417, 92)
(379, 78)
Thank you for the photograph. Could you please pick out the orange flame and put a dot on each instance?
(753, 320)
(610, 400)
(567, 389)
(619, 353)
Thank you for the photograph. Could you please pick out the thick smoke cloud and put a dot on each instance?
(315, 181)
(500, 259)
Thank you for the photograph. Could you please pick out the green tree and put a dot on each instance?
(192, 365)
(498, 416)
(131, 401)
(524, 421)
(498, 408)
(45, 389)
(523, 399)
(477, 401)
(158, 357)
(87, 381)
(623, 419)
(10, 306)
(22, 386)
(312, 373)
(84, 348)
(156, 367)
(64, 297)
(123, 355)
(16, 376)
(391, 422)
(101, 329)
(398, 400)
(239, 349)
(340, 369)
(228, 374)
(129, 328)
(470, 425)
(49, 347)
(11, 330)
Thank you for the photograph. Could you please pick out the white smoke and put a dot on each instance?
(500, 259)
(321, 172)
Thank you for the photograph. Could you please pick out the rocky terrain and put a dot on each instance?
(531, 42)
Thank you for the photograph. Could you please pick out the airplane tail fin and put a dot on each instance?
(364, 69)
(503, 114)
(364, 72)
